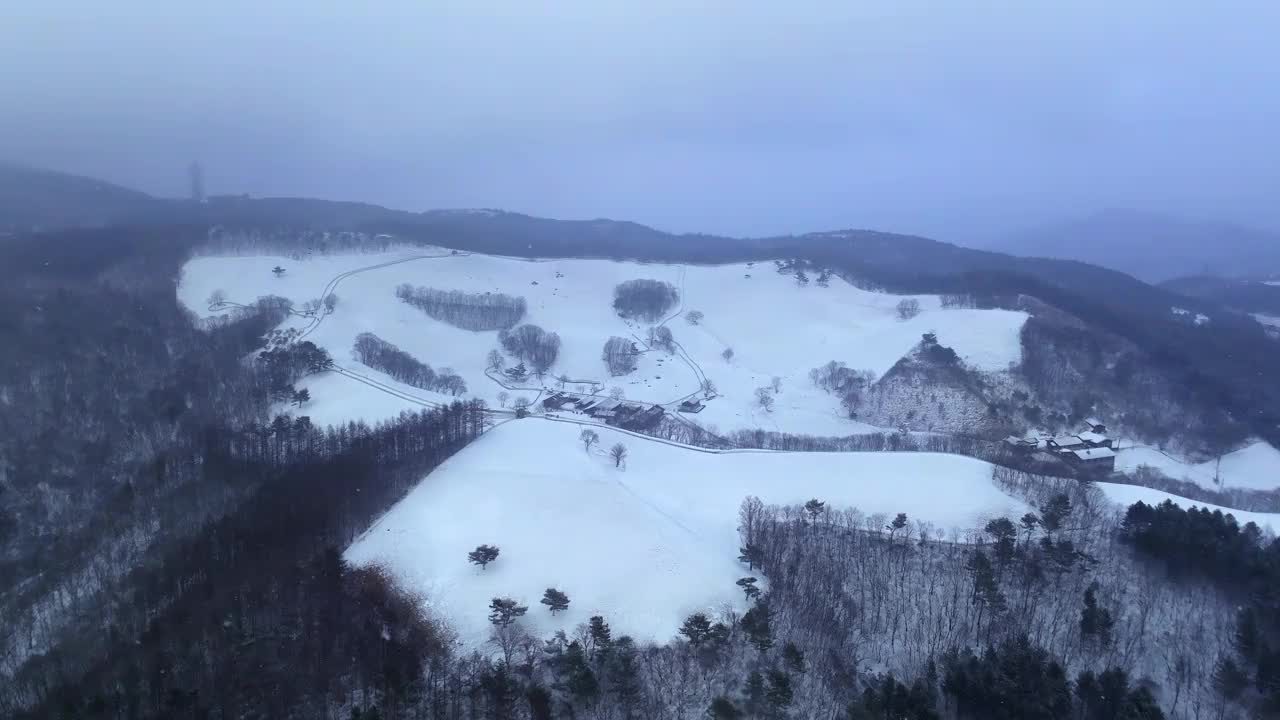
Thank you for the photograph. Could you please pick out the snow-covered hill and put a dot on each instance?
(1253, 467)
(645, 544)
(775, 326)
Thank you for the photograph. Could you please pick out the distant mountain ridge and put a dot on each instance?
(1152, 247)
(1244, 382)
(34, 199)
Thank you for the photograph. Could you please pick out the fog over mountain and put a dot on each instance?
(1151, 246)
(961, 121)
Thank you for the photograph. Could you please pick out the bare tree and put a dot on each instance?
(776, 384)
(521, 405)
(615, 393)
(495, 360)
(908, 308)
(693, 317)
(588, 438)
(330, 302)
(727, 354)
(619, 453)
(708, 387)
(503, 397)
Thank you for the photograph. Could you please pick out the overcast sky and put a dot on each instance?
(952, 119)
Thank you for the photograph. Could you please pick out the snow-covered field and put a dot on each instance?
(644, 545)
(1254, 467)
(774, 326)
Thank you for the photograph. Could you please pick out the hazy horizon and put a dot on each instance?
(729, 118)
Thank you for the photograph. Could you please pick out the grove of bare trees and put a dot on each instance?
(382, 355)
(531, 344)
(469, 311)
(645, 300)
(619, 356)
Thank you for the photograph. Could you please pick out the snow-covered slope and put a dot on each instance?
(1125, 495)
(774, 326)
(644, 545)
(1254, 467)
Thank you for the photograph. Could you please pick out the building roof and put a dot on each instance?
(1066, 440)
(1092, 437)
(1095, 453)
(1094, 422)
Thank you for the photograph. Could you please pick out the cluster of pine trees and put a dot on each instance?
(1199, 543)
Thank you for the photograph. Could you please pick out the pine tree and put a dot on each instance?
(899, 522)
(483, 555)
(751, 554)
(580, 681)
(780, 692)
(756, 624)
(1004, 533)
(1095, 622)
(599, 631)
(696, 629)
(722, 708)
(814, 508)
(301, 397)
(793, 657)
(748, 585)
(755, 692)
(555, 600)
(503, 612)
(1229, 680)
(1055, 513)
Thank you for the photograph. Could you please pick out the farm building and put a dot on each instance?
(1067, 443)
(1095, 439)
(692, 406)
(1099, 459)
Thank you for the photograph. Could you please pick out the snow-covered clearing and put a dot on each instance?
(1254, 467)
(644, 545)
(775, 327)
(1126, 495)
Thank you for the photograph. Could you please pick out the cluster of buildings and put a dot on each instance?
(619, 413)
(1090, 449)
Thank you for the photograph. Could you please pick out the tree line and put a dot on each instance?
(257, 613)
